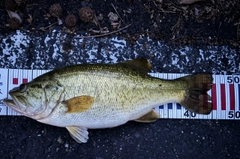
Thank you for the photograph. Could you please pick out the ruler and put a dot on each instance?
(225, 94)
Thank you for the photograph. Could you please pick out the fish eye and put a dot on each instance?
(22, 87)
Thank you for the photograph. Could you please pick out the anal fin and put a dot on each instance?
(149, 117)
(79, 134)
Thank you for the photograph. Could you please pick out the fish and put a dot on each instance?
(96, 96)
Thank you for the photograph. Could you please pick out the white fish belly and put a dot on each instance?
(95, 118)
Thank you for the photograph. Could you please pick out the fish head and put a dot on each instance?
(35, 99)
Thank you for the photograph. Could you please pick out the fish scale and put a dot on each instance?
(225, 94)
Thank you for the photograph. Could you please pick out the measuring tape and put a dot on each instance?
(225, 94)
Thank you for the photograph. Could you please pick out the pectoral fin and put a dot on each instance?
(79, 134)
(149, 117)
(79, 104)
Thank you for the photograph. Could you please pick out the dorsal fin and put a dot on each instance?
(140, 64)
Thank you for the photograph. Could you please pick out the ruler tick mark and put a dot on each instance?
(15, 80)
(232, 97)
(24, 80)
(223, 96)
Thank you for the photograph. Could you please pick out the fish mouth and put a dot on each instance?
(16, 103)
(9, 103)
(12, 104)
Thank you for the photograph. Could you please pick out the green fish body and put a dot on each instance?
(93, 96)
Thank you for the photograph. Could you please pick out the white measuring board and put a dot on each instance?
(225, 95)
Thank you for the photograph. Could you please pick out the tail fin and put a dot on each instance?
(196, 98)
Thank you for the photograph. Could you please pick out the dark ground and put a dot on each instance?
(212, 23)
(167, 139)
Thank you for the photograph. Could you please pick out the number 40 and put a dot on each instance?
(189, 114)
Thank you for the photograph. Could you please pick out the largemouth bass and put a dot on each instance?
(92, 96)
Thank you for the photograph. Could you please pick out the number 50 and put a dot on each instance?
(232, 114)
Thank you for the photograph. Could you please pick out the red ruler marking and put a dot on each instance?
(223, 96)
(232, 97)
(239, 97)
(205, 98)
(214, 97)
(24, 80)
(15, 80)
